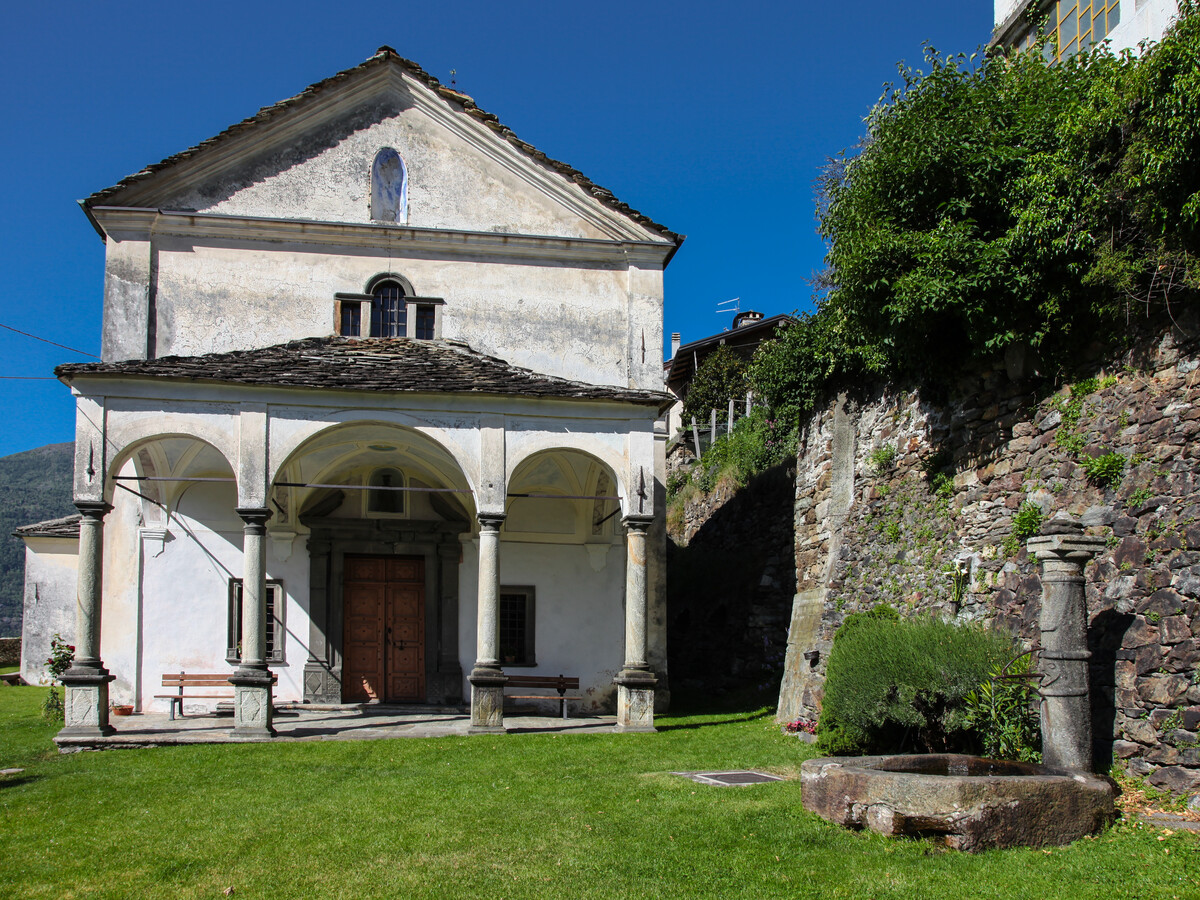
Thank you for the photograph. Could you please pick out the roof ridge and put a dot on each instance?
(465, 101)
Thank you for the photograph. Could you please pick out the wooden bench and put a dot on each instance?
(560, 683)
(189, 680)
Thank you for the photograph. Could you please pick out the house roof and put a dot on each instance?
(66, 527)
(375, 364)
(682, 366)
(458, 100)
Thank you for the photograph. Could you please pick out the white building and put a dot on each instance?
(1078, 24)
(378, 412)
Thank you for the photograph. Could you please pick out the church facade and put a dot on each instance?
(378, 418)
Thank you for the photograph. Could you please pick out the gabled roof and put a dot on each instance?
(460, 101)
(66, 527)
(682, 366)
(400, 365)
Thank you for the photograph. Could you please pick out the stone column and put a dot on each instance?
(86, 682)
(252, 711)
(1066, 706)
(487, 678)
(636, 681)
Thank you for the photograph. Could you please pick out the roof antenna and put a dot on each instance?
(737, 307)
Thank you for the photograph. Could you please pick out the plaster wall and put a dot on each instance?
(579, 610)
(458, 175)
(573, 321)
(1143, 20)
(175, 619)
(51, 565)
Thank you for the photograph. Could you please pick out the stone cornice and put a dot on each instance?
(398, 239)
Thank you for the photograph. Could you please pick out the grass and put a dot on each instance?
(513, 816)
(4, 670)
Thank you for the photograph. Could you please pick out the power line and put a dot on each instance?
(44, 341)
(28, 378)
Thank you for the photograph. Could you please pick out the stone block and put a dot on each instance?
(1141, 731)
(1175, 629)
(1163, 602)
(1191, 718)
(1097, 516)
(1140, 634)
(1138, 766)
(1163, 690)
(1131, 551)
(1125, 749)
(1162, 755)
(1176, 779)
(1124, 525)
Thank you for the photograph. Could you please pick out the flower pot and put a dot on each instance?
(122, 710)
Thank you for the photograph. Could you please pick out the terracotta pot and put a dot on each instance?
(122, 710)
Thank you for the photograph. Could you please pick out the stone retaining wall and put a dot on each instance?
(730, 585)
(10, 651)
(870, 529)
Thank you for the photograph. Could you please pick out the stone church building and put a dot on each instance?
(378, 415)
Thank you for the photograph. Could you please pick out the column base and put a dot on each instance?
(253, 710)
(487, 700)
(635, 700)
(85, 702)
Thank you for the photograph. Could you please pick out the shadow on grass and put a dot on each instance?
(10, 781)
(724, 719)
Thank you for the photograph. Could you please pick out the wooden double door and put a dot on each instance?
(384, 629)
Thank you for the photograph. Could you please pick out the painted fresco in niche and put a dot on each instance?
(389, 187)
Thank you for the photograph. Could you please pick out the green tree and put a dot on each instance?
(720, 378)
(998, 201)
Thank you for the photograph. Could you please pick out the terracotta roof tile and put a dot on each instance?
(375, 364)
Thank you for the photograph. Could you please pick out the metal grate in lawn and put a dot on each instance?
(728, 779)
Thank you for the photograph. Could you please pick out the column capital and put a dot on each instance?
(93, 509)
(637, 522)
(255, 517)
(491, 521)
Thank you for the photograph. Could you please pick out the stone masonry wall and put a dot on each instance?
(730, 585)
(10, 651)
(870, 530)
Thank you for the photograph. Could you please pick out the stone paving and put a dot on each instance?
(346, 723)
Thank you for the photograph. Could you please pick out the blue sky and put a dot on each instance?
(712, 118)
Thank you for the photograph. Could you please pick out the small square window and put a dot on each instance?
(425, 322)
(516, 626)
(351, 319)
(275, 614)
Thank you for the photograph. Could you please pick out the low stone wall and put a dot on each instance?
(871, 527)
(10, 651)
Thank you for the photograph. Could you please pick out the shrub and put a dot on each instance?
(882, 458)
(894, 685)
(1105, 470)
(1003, 714)
(61, 656)
(1027, 520)
(758, 442)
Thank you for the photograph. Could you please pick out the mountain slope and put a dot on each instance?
(34, 485)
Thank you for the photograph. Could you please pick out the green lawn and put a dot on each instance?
(502, 816)
(4, 670)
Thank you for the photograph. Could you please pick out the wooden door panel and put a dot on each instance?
(362, 668)
(384, 629)
(366, 568)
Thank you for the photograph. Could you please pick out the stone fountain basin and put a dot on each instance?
(969, 802)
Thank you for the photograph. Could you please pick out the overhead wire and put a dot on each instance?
(45, 341)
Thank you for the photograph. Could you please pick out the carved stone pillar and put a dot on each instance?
(487, 678)
(252, 711)
(1066, 707)
(86, 682)
(636, 681)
